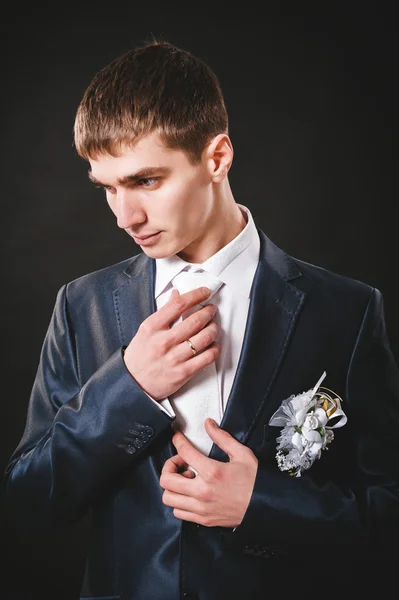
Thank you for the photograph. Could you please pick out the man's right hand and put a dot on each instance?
(159, 357)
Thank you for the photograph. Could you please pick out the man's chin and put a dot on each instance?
(153, 252)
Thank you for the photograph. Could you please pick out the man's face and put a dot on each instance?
(158, 197)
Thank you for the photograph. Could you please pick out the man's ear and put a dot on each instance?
(219, 156)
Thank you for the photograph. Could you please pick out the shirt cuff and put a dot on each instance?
(164, 405)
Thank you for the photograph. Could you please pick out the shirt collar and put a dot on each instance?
(238, 256)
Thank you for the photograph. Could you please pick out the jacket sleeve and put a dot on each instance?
(361, 507)
(77, 438)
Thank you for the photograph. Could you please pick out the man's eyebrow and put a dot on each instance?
(144, 173)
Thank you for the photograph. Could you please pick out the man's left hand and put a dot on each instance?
(219, 493)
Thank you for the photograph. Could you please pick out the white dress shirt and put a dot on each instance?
(235, 264)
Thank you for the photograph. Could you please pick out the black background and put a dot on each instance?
(312, 101)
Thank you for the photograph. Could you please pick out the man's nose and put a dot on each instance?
(128, 210)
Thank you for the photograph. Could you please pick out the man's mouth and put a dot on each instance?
(145, 238)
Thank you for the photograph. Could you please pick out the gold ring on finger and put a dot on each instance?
(193, 350)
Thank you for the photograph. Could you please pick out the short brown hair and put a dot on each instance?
(156, 87)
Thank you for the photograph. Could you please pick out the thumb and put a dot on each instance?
(222, 438)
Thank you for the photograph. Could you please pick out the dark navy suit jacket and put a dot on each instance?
(95, 442)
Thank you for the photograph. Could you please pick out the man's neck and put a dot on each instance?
(226, 223)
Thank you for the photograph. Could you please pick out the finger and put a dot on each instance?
(176, 482)
(200, 360)
(191, 455)
(188, 474)
(224, 440)
(177, 305)
(185, 515)
(200, 341)
(194, 323)
(174, 464)
(182, 502)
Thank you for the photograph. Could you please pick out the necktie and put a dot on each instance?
(199, 397)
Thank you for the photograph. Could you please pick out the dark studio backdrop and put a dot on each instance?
(312, 102)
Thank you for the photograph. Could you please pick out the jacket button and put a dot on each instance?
(138, 443)
(127, 448)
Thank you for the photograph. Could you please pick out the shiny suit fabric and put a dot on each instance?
(94, 442)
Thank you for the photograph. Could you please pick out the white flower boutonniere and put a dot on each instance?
(307, 428)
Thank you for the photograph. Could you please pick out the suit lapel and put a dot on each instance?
(274, 307)
(134, 299)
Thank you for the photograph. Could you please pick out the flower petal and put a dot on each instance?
(321, 416)
(314, 449)
(300, 416)
(297, 440)
(312, 435)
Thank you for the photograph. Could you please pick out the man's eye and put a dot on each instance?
(107, 188)
(143, 182)
(147, 181)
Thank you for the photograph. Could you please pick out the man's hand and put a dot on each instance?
(219, 494)
(159, 358)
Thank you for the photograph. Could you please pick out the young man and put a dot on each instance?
(158, 401)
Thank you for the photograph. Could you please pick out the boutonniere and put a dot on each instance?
(308, 420)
